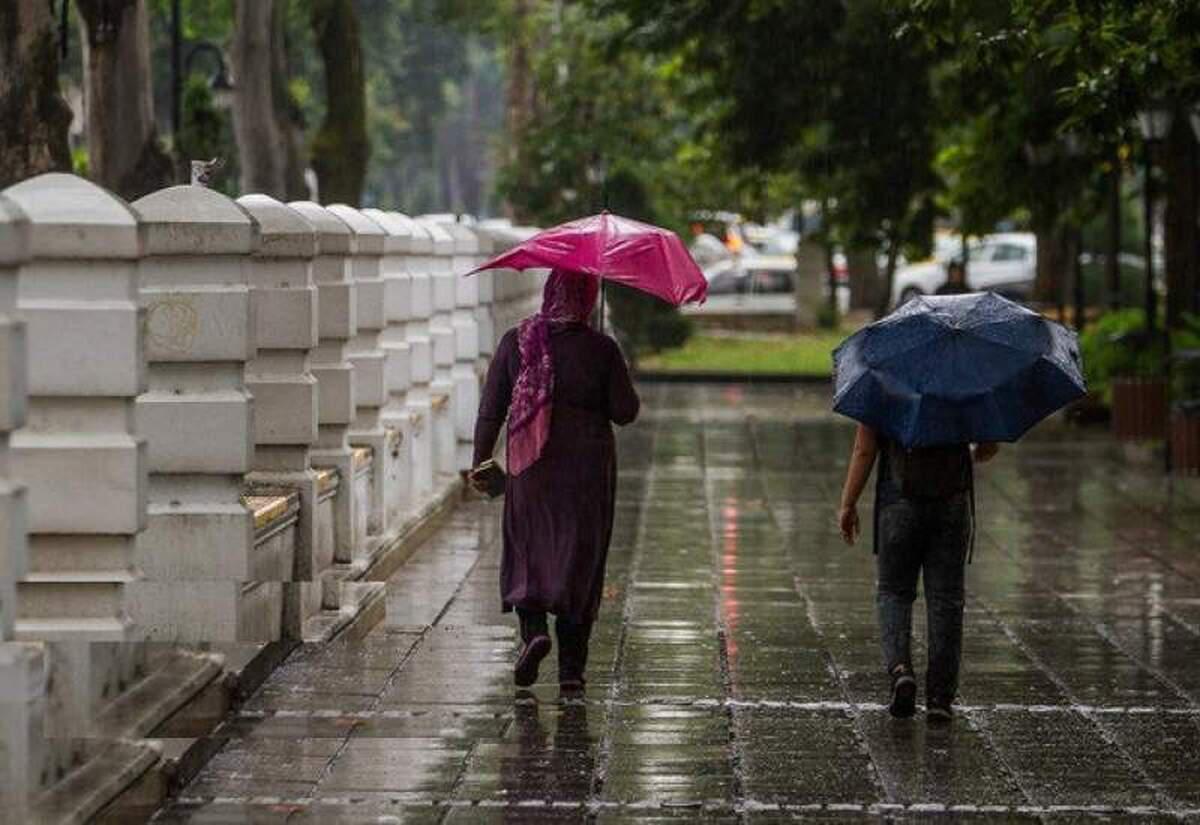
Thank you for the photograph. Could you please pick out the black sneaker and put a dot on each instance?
(904, 692)
(525, 672)
(939, 710)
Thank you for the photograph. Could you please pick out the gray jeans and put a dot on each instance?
(932, 536)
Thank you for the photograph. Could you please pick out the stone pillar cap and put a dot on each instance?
(443, 241)
(422, 241)
(503, 234)
(14, 234)
(465, 241)
(74, 218)
(370, 235)
(333, 236)
(195, 220)
(284, 231)
(398, 240)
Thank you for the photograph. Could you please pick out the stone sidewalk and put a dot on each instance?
(735, 673)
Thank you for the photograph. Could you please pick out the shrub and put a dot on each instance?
(1117, 346)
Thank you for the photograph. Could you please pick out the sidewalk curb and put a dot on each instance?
(723, 377)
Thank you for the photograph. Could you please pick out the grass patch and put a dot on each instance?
(801, 354)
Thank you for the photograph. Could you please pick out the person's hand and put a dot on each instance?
(477, 483)
(848, 524)
(985, 452)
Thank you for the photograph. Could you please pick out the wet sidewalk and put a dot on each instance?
(735, 673)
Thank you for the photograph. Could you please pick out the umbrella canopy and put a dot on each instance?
(626, 251)
(957, 369)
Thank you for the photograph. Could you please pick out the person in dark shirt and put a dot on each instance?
(924, 526)
(956, 280)
(560, 385)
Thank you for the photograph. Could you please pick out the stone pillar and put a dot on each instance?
(198, 550)
(465, 372)
(280, 379)
(370, 388)
(484, 312)
(22, 668)
(14, 250)
(78, 456)
(396, 416)
(337, 324)
(441, 334)
(419, 399)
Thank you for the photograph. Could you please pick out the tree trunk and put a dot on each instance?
(1179, 223)
(287, 111)
(884, 299)
(123, 150)
(519, 102)
(1053, 263)
(1112, 240)
(341, 147)
(34, 118)
(863, 270)
(268, 150)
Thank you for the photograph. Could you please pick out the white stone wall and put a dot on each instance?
(216, 417)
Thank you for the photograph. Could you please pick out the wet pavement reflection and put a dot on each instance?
(735, 673)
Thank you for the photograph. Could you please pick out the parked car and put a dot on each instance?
(1005, 262)
(764, 275)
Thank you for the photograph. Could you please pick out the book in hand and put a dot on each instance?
(489, 479)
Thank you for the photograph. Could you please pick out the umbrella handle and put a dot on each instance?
(602, 302)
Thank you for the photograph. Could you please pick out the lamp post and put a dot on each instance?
(1194, 118)
(219, 82)
(1154, 123)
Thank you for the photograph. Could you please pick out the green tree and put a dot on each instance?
(828, 90)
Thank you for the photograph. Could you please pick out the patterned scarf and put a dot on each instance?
(568, 298)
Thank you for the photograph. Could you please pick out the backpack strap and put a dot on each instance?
(971, 493)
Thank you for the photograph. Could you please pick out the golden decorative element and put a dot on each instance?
(327, 479)
(362, 457)
(266, 508)
(439, 400)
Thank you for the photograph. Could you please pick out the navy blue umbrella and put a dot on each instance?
(957, 369)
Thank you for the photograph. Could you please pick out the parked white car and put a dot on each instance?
(1005, 262)
(762, 280)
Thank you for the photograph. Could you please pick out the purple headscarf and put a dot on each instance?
(568, 298)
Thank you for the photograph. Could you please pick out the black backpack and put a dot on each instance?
(930, 472)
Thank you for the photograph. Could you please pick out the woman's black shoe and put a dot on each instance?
(525, 672)
(904, 692)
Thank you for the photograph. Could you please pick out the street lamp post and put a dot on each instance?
(219, 82)
(1154, 123)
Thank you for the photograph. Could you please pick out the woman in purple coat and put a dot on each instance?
(561, 385)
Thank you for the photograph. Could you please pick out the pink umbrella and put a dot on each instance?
(629, 252)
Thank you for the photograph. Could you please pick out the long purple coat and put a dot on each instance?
(558, 514)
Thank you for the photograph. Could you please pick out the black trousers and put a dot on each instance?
(572, 641)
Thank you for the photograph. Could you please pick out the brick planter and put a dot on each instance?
(1139, 409)
(1185, 438)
